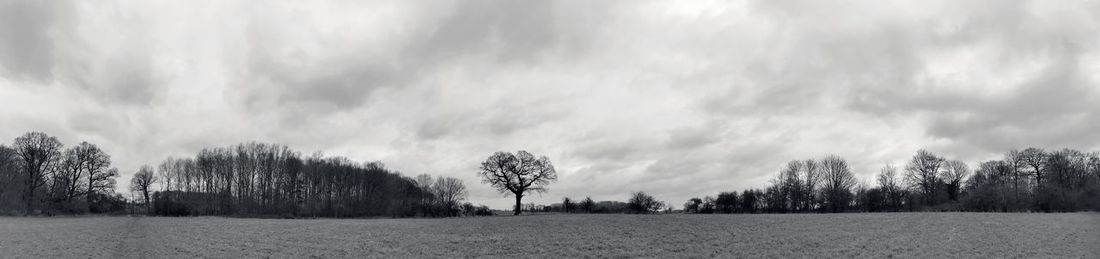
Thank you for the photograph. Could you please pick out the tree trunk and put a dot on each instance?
(148, 203)
(517, 208)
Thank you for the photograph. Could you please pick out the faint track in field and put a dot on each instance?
(134, 239)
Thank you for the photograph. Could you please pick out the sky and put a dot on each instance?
(679, 99)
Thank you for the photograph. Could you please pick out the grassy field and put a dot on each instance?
(818, 235)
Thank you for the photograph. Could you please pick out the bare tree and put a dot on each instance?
(65, 183)
(1014, 159)
(39, 154)
(567, 205)
(518, 174)
(640, 202)
(810, 178)
(923, 172)
(98, 171)
(838, 180)
(142, 181)
(10, 186)
(1036, 159)
(588, 205)
(449, 192)
(83, 170)
(166, 172)
(888, 182)
(424, 183)
(792, 185)
(953, 175)
(103, 182)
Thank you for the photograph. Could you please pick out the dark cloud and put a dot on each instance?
(690, 138)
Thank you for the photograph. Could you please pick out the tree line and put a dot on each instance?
(1025, 180)
(38, 175)
(258, 179)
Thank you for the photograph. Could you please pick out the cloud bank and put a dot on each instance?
(675, 98)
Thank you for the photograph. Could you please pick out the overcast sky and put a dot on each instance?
(676, 98)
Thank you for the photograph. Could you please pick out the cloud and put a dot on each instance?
(679, 99)
(26, 46)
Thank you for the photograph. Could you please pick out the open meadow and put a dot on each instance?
(562, 235)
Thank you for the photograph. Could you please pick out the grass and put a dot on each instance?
(802, 235)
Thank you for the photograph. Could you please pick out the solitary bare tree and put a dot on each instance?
(518, 174)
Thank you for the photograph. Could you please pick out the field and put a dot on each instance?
(817, 235)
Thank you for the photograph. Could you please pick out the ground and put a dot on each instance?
(806, 235)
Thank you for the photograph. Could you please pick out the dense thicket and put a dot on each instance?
(1027, 180)
(39, 175)
(265, 179)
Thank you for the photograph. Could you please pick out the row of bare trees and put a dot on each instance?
(272, 180)
(39, 175)
(1027, 180)
(1036, 180)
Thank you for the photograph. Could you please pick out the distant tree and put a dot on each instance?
(986, 190)
(954, 173)
(1036, 159)
(10, 183)
(810, 178)
(791, 185)
(449, 193)
(101, 177)
(142, 182)
(83, 170)
(640, 202)
(748, 201)
(709, 205)
(468, 209)
(923, 172)
(588, 205)
(870, 199)
(726, 202)
(568, 206)
(1014, 159)
(837, 182)
(39, 154)
(692, 205)
(424, 183)
(166, 173)
(65, 182)
(892, 191)
(518, 174)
